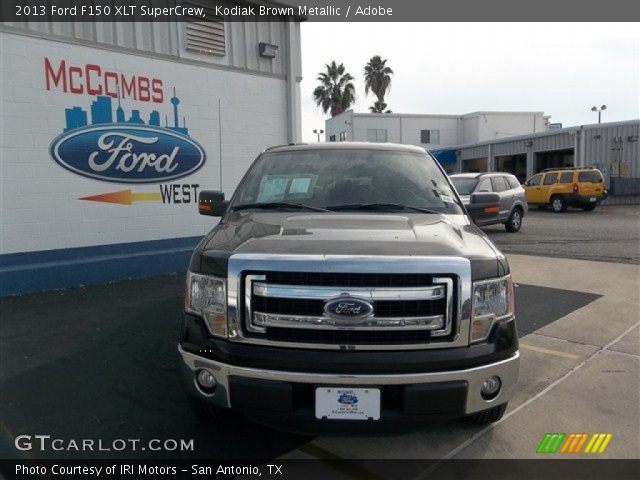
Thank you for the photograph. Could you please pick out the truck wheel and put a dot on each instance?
(589, 207)
(515, 221)
(488, 416)
(558, 204)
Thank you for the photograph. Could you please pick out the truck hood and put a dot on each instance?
(271, 232)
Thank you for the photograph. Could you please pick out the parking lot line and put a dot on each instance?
(550, 387)
(548, 351)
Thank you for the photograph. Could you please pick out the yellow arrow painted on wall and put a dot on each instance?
(124, 197)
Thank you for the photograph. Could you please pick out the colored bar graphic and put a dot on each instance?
(572, 443)
(550, 443)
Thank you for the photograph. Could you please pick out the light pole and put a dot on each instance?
(318, 132)
(599, 110)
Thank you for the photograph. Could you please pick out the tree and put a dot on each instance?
(336, 92)
(379, 108)
(377, 78)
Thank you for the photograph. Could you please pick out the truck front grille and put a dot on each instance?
(331, 279)
(292, 307)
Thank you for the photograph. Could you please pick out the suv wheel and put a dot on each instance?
(558, 204)
(514, 223)
(487, 416)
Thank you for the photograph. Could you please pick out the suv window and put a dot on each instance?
(499, 184)
(566, 177)
(535, 180)
(513, 182)
(590, 176)
(484, 185)
(550, 179)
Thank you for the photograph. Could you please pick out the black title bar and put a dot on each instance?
(18, 11)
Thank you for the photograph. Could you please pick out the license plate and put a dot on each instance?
(348, 403)
(592, 199)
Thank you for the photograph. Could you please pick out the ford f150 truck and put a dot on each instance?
(345, 286)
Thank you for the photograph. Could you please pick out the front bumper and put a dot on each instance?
(289, 394)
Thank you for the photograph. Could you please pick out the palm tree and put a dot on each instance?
(379, 108)
(377, 78)
(336, 92)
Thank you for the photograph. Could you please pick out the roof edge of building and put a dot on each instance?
(546, 133)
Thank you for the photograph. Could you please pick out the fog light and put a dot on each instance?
(490, 387)
(206, 381)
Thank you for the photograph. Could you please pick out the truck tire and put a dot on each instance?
(558, 204)
(514, 223)
(488, 416)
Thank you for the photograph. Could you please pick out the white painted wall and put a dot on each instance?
(40, 207)
(454, 129)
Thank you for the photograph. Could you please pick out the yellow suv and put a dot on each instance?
(581, 187)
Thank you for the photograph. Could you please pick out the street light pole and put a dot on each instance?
(318, 132)
(599, 110)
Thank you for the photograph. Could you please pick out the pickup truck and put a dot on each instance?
(345, 287)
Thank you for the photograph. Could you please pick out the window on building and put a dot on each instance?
(332, 138)
(376, 135)
(499, 184)
(343, 136)
(205, 36)
(550, 179)
(485, 185)
(430, 136)
(566, 177)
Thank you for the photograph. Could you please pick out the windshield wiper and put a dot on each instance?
(248, 206)
(380, 206)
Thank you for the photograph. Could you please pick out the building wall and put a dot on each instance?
(231, 113)
(495, 125)
(453, 129)
(614, 148)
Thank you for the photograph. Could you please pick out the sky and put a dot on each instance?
(562, 69)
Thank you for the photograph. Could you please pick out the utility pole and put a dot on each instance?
(318, 132)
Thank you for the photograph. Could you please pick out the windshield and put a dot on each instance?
(464, 185)
(348, 180)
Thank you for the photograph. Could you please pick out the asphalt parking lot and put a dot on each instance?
(608, 234)
(101, 362)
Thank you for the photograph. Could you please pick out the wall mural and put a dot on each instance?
(110, 145)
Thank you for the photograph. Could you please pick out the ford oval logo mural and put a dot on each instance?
(128, 154)
(348, 307)
(126, 150)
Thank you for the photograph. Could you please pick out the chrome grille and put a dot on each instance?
(288, 301)
(414, 314)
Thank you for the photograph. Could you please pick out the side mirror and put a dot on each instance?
(212, 203)
(484, 207)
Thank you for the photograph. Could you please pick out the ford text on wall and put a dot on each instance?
(103, 154)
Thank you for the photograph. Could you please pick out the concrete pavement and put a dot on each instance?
(580, 373)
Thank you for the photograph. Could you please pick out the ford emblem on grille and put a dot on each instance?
(348, 307)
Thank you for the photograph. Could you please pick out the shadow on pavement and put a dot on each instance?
(101, 363)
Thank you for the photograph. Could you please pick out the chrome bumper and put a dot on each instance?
(507, 370)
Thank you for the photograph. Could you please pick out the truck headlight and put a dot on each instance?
(206, 297)
(492, 302)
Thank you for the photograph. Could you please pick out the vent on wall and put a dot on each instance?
(205, 35)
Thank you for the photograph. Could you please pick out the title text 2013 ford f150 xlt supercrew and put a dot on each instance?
(345, 286)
